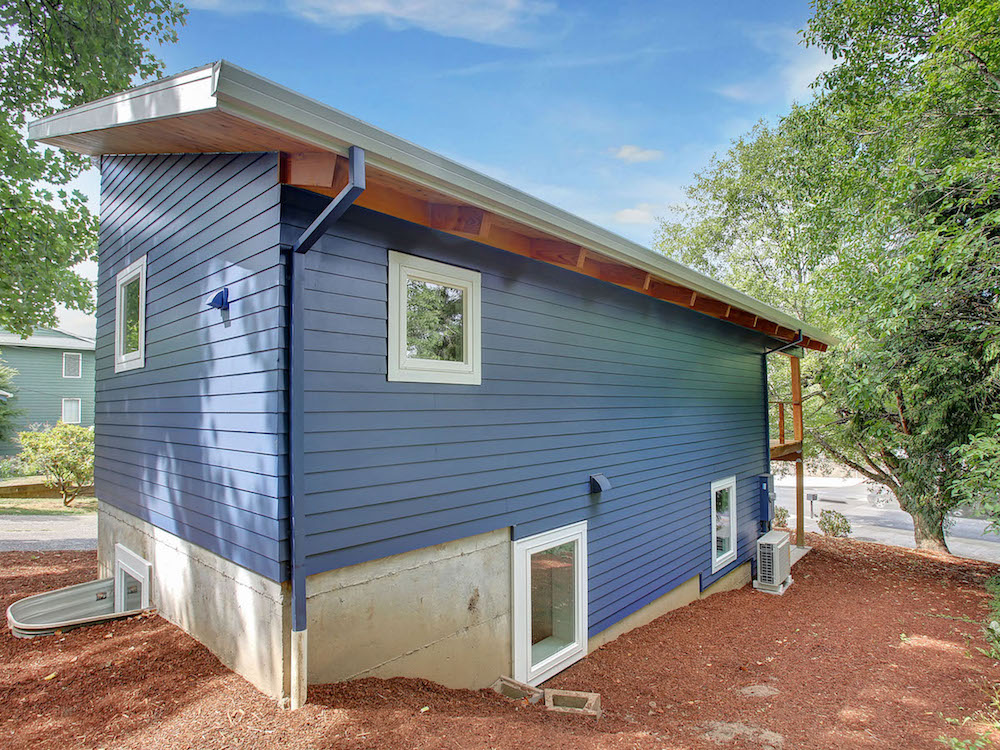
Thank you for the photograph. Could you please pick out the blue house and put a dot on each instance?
(350, 388)
(54, 381)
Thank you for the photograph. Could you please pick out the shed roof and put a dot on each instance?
(221, 107)
(47, 338)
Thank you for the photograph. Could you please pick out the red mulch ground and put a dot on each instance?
(870, 648)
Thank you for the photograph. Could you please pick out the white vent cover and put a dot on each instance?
(774, 563)
(132, 580)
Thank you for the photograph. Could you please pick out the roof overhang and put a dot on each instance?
(223, 108)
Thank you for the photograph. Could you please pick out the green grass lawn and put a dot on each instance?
(45, 506)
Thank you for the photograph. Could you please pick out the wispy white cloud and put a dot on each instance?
(560, 61)
(636, 154)
(794, 68)
(643, 213)
(509, 23)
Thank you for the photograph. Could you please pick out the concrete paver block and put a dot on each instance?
(573, 702)
(511, 688)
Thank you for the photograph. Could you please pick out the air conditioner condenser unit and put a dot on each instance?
(774, 563)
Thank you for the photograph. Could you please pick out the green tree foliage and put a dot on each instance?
(55, 54)
(65, 454)
(434, 321)
(873, 211)
(7, 411)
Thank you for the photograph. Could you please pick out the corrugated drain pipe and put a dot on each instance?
(295, 411)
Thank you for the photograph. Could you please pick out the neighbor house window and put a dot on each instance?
(72, 364)
(434, 322)
(723, 523)
(130, 317)
(71, 410)
(550, 602)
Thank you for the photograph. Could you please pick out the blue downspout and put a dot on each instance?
(295, 405)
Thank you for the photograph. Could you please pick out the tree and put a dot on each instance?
(55, 54)
(65, 454)
(878, 203)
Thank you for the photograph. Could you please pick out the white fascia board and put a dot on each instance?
(231, 89)
(185, 93)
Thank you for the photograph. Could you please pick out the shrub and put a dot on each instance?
(834, 523)
(780, 517)
(65, 454)
(11, 467)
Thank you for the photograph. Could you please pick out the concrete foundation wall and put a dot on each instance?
(680, 596)
(242, 617)
(441, 613)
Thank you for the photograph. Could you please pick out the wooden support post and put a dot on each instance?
(781, 421)
(797, 423)
(798, 427)
(800, 498)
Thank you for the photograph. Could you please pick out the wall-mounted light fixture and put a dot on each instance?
(599, 483)
(221, 300)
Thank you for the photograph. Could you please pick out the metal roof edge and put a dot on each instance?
(244, 94)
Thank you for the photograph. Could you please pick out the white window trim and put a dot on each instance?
(137, 359)
(718, 563)
(79, 410)
(521, 551)
(79, 358)
(410, 369)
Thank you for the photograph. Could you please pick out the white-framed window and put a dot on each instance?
(72, 365)
(130, 317)
(71, 408)
(723, 523)
(435, 320)
(550, 602)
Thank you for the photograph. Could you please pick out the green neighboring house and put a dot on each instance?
(55, 379)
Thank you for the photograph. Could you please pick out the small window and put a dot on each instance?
(550, 602)
(723, 523)
(72, 365)
(130, 317)
(71, 410)
(434, 322)
(132, 580)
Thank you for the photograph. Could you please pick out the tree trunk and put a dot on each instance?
(928, 522)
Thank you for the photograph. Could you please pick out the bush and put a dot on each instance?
(12, 466)
(65, 454)
(834, 523)
(780, 517)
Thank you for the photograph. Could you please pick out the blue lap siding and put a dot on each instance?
(579, 376)
(194, 441)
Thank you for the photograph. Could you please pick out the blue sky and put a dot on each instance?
(604, 109)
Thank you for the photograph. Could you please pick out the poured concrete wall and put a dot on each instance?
(441, 613)
(242, 617)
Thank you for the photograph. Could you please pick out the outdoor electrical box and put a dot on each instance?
(766, 488)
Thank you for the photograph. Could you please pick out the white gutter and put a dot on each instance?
(238, 92)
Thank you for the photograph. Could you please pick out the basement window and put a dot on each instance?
(550, 602)
(133, 576)
(434, 322)
(723, 523)
(72, 365)
(130, 317)
(71, 408)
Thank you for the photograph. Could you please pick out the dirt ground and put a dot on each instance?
(872, 647)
